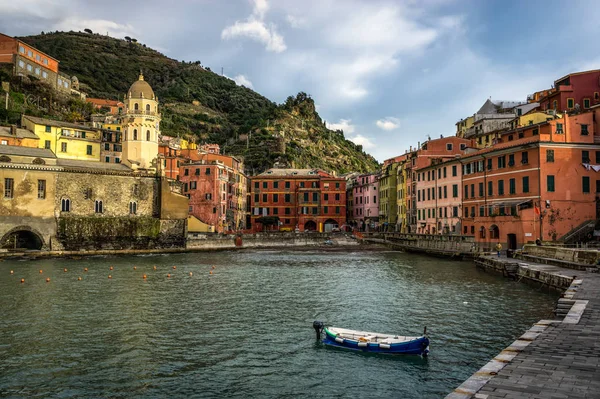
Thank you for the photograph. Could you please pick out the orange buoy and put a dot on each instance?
(22, 280)
(168, 275)
(154, 267)
(109, 276)
(41, 271)
(111, 268)
(12, 272)
(191, 274)
(145, 277)
(174, 267)
(85, 269)
(48, 279)
(213, 267)
(65, 270)
(210, 272)
(135, 268)
(78, 278)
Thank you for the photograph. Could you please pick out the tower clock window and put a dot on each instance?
(148, 108)
(135, 133)
(135, 106)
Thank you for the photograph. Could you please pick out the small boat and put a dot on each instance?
(372, 342)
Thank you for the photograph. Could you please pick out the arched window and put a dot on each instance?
(135, 134)
(147, 135)
(65, 205)
(135, 106)
(98, 206)
(148, 108)
(133, 208)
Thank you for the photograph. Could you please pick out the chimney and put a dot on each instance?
(13, 130)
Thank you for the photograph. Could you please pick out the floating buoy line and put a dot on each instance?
(144, 276)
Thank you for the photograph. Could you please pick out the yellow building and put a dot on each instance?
(463, 125)
(532, 118)
(141, 125)
(65, 140)
(403, 171)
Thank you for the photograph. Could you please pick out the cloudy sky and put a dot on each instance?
(387, 72)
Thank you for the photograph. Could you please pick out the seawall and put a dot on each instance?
(452, 246)
(200, 243)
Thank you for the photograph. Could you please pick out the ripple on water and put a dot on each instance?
(246, 331)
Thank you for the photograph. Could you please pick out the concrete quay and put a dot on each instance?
(555, 358)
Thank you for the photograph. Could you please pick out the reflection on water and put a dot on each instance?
(246, 330)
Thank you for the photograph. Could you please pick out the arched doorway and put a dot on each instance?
(310, 226)
(494, 232)
(329, 225)
(21, 238)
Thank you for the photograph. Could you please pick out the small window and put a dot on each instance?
(525, 184)
(287, 184)
(197, 173)
(147, 135)
(44, 74)
(63, 147)
(9, 186)
(47, 144)
(208, 171)
(585, 156)
(275, 184)
(585, 182)
(41, 189)
(559, 128)
(21, 49)
(570, 103)
(584, 130)
(98, 206)
(133, 208)
(586, 103)
(65, 205)
(186, 172)
(135, 133)
(256, 184)
(107, 159)
(449, 146)
(265, 184)
(535, 132)
(89, 150)
(550, 183)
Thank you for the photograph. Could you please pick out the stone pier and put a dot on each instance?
(555, 358)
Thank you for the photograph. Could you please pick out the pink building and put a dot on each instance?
(439, 197)
(437, 172)
(365, 194)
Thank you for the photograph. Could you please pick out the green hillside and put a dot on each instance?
(206, 107)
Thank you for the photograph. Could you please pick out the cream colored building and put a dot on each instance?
(141, 124)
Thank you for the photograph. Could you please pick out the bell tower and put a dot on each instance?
(141, 124)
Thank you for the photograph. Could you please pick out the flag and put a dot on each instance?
(537, 210)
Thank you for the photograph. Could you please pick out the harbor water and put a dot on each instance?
(246, 329)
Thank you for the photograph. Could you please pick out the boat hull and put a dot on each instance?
(417, 346)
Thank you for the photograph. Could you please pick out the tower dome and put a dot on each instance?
(141, 89)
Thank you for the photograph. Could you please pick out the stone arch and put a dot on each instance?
(494, 232)
(330, 224)
(5, 158)
(38, 161)
(22, 237)
(310, 225)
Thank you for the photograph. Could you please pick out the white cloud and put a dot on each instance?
(388, 123)
(344, 124)
(255, 28)
(296, 22)
(242, 80)
(362, 140)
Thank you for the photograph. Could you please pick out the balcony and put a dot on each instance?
(142, 112)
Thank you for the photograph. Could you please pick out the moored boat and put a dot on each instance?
(372, 342)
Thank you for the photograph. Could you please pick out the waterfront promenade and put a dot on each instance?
(555, 358)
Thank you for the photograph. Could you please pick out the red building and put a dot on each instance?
(114, 107)
(304, 199)
(582, 88)
(538, 182)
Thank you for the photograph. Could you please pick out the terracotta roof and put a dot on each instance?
(51, 122)
(104, 102)
(21, 133)
(26, 151)
(293, 172)
(502, 146)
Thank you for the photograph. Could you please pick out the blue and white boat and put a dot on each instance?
(372, 342)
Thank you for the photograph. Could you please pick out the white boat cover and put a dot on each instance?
(365, 336)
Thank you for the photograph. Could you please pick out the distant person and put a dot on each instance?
(499, 248)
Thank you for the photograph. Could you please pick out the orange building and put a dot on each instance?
(114, 107)
(12, 135)
(306, 199)
(538, 182)
(29, 61)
